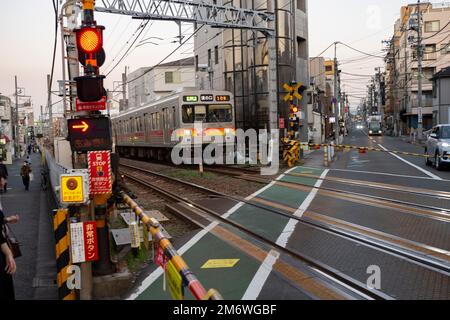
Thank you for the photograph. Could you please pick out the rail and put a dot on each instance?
(153, 227)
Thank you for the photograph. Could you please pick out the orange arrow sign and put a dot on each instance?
(84, 126)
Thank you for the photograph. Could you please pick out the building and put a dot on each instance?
(402, 64)
(154, 82)
(441, 98)
(237, 60)
(6, 130)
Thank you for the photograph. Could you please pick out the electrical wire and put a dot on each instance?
(357, 50)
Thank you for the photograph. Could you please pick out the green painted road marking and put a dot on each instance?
(233, 282)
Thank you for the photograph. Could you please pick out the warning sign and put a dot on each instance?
(220, 263)
(83, 240)
(72, 190)
(175, 282)
(100, 178)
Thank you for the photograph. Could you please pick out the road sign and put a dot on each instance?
(90, 106)
(72, 188)
(100, 176)
(90, 134)
(175, 282)
(83, 240)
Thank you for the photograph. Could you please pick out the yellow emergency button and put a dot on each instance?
(72, 189)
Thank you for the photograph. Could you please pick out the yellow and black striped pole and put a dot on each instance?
(62, 240)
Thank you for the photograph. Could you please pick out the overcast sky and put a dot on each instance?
(27, 35)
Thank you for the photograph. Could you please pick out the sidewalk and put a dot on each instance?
(36, 269)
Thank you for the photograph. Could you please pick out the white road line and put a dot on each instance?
(260, 278)
(159, 271)
(428, 173)
(382, 174)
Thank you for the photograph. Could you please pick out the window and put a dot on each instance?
(153, 121)
(209, 58)
(329, 68)
(429, 52)
(216, 54)
(301, 5)
(169, 77)
(445, 48)
(432, 26)
(445, 132)
(302, 48)
(219, 113)
(207, 113)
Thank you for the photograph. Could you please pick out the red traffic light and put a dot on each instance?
(89, 40)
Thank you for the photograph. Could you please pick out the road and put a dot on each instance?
(371, 214)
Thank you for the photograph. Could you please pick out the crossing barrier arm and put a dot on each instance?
(153, 227)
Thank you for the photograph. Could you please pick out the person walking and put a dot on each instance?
(7, 262)
(3, 177)
(25, 172)
(29, 149)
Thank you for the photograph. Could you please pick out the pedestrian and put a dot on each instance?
(3, 177)
(29, 149)
(25, 172)
(7, 262)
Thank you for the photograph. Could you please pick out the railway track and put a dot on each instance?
(412, 252)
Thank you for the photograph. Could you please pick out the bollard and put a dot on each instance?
(325, 156)
(63, 261)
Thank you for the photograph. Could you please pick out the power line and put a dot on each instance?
(357, 50)
(166, 57)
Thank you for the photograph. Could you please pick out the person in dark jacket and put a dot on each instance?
(7, 263)
(3, 176)
(25, 174)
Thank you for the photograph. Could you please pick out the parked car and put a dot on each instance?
(438, 147)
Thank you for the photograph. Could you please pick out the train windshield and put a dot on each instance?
(207, 113)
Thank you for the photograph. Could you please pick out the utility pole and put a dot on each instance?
(49, 107)
(336, 93)
(124, 90)
(16, 121)
(419, 59)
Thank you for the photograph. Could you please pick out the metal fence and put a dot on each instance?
(55, 170)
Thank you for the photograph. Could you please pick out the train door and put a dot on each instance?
(166, 125)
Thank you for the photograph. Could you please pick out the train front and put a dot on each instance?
(207, 117)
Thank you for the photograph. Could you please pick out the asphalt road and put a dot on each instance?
(401, 216)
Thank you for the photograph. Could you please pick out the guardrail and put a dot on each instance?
(188, 277)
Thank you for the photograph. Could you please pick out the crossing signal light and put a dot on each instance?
(90, 46)
(294, 109)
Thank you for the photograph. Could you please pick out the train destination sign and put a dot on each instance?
(223, 98)
(190, 98)
(207, 97)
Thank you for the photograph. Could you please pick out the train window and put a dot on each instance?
(200, 113)
(188, 114)
(219, 113)
(173, 118)
(153, 121)
(158, 121)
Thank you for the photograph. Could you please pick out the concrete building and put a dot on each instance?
(6, 130)
(441, 98)
(238, 61)
(154, 82)
(402, 64)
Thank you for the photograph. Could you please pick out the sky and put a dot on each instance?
(27, 36)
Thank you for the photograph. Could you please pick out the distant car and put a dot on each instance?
(359, 126)
(437, 148)
(375, 128)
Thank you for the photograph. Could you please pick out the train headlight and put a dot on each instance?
(229, 130)
(370, 132)
(187, 132)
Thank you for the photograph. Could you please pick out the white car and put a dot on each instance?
(437, 148)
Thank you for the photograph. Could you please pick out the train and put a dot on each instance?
(148, 131)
